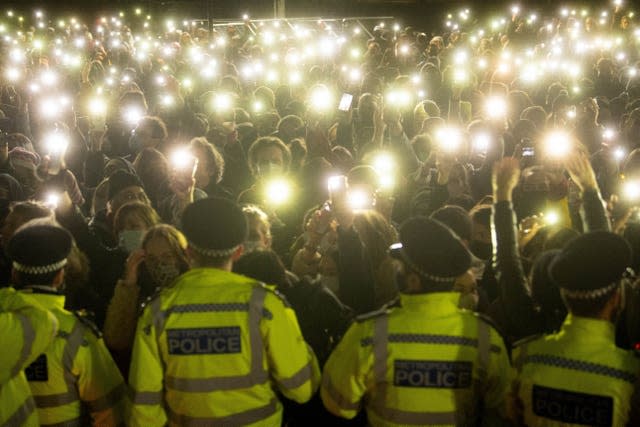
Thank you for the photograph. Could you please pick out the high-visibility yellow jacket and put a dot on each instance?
(26, 329)
(76, 375)
(425, 363)
(213, 349)
(575, 377)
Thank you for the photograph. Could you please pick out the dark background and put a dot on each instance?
(423, 14)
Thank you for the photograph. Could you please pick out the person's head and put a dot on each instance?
(290, 127)
(377, 235)
(269, 156)
(152, 167)
(131, 221)
(263, 265)
(426, 267)
(210, 162)
(39, 254)
(21, 213)
(266, 97)
(480, 244)
(150, 133)
(124, 188)
(259, 235)
(605, 68)
(536, 115)
(165, 254)
(589, 271)
(545, 293)
(215, 229)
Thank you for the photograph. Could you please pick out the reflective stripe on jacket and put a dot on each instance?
(425, 363)
(75, 375)
(211, 350)
(575, 377)
(26, 329)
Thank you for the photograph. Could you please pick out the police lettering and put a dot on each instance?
(432, 374)
(571, 407)
(38, 370)
(187, 342)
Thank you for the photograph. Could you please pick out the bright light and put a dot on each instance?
(52, 200)
(619, 153)
(336, 183)
(13, 74)
(133, 115)
(608, 134)
(449, 139)
(383, 163)
(56, 143)
(167, 100)
(222, 102)
(295, 78)
(460, 76)
(97, 107)
(182, 159)
(558, 144)
(496, 107)
(48, 78)
(481, 142)
(551, 218)
(631, 190)
(321, 99)
(358, 200)
(399, 98)
(278, 192)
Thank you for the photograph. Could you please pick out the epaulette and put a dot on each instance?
(527, 340)
(488, 320)
(385, 309)
(276, 292)
(148, 300)
(86, 319)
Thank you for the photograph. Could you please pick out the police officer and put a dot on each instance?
(426, 362)
(26, 329)
(75, 376)
(578, 376)
(213, 348)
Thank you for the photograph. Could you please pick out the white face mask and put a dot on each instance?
(330, 282)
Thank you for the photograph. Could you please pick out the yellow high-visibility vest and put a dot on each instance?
(26, 330)
(213, 349)
(76, 374)
(575, 377)
(425, 363)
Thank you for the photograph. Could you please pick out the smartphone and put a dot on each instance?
(184, 164)
(528, 152)
(345, 102)
(337, 186)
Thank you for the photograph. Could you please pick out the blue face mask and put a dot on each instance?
(130, 240)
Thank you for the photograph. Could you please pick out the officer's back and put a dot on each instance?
(426, 362)
(75, 378)
(215, 345)
(578, 376)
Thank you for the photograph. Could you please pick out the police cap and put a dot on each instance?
(214, 227)
(591, 264)
(432, 250)
(39, 249)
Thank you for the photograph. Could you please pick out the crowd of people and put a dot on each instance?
(294, 222)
